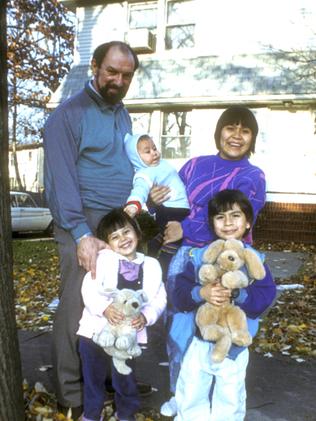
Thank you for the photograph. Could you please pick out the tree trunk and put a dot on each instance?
(11, 397)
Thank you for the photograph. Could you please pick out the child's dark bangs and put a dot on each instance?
(225, 207)
(110, 223)
(118, 224)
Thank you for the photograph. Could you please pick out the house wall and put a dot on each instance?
(234, 60)
(96, 24)
(285, 148)
(228, 36)
(30, 163)
(286, 222)
(224, 28)
(286, 151)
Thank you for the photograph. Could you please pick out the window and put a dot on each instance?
(142, 27)
(179, 25)
(143, 15)
(176, 135)
(141, 122)
(12, 199)
(169, 22)
(25, 201)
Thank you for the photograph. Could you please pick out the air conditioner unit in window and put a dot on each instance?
(142, 40)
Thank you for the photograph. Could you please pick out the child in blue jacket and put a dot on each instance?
(230, 216)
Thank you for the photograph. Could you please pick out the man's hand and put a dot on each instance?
(87, 251)
(173, 232)
(158, 195)
(215, 294)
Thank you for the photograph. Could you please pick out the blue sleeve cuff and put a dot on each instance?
(195, 294)
(87, 234)
(80, 230)
(151, 211)
(242, 296)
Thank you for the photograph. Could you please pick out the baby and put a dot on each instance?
(151, 170)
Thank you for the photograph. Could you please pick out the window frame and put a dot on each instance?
(162, 27)
(142, 6)
(181, 24)
(176, 137)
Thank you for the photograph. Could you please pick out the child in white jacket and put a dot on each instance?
(121, 267)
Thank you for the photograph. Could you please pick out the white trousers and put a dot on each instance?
(228, 402)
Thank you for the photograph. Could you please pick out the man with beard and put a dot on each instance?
(87, 174)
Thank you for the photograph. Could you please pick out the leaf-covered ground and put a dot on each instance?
(36, 281)
(289, 328)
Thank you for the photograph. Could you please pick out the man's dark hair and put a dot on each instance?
(224, 200)
(101, 51)
(237, 114)
(115, 220)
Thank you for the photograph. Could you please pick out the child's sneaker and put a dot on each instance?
(169, 408)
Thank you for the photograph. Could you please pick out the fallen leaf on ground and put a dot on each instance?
(289, 328)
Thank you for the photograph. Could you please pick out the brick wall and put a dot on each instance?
(286, 222)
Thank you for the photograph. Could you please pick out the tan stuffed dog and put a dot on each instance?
(226, 324)
(120, 341)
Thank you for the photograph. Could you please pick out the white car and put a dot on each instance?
(26, 215)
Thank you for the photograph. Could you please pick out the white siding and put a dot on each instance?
(223, 28)
(286, 144)
(96, 25)
(286, 151)
(229, 27)
(30, 162)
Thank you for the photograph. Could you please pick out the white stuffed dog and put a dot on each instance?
(120, 341)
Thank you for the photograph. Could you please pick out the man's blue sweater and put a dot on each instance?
(85, 162)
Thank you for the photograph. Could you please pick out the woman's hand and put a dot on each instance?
(173, 232)
(215, 294)
(158, 195)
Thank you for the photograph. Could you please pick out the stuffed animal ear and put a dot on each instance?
(213, 251)
(235, 245)
(143, 296)
(254, 265)
(112, 292)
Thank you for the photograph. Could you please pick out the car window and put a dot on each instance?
(25, 201)
(13, 201)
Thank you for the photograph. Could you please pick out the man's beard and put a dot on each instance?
(111, 97)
